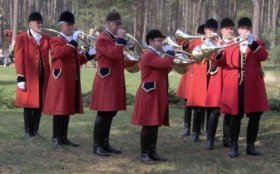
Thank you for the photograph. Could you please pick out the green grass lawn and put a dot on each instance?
(38, 156)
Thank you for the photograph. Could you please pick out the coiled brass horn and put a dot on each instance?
(208, 47)
(132, 52)
(85, 38)
(179, 34)
(181, 59)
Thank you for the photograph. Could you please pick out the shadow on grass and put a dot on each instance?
(9, 82)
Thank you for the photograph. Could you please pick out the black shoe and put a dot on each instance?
(195, 137)
(57, 142)
(250, 149)
(67, 142)
(145, 158)
(226, 143)
(28, 135)
(186, 132)
(210, 144)
(157, 157)
(110, 149)
(234, 150)
(100, 151)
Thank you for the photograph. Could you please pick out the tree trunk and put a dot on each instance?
(275, 8)
(15, 20)
(256, 17)
(139, 19)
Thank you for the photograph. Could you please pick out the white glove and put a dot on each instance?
(92, 51)
(250, 38)
(21, 85)
(76, 35)
(167, 48)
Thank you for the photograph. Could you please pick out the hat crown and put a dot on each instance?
(113, 16)
(35, 16)
(153, 34)
(211, 23)
(244, 22)
(67, 16)
(227, 22)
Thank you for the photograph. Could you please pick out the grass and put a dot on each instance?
(38, 156)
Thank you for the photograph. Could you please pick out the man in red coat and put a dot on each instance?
(214, 90)
(32, 68)
(63, 96)
(197, 88)
(243, 77)
(182, 90)
(108, 89)
(151, 103)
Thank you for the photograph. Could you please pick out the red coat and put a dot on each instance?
(27, 62)
(197, 83)
(108, 89)
(255, 99)
(63, 96)
(182, 88)
(214, 91)
(151, 104)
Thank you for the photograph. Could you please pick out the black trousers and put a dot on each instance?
(32, 116)
(199, 113)
(253, 124)
(102, 126)
(60, 126)
(213, 119)
(148, 139)
(226, 127)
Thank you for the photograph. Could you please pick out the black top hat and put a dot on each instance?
(114, 16)
(211, 23)
(227, 22)
(244, 22)
(35, 16)
(200, 29)
(67, 16)
(152, 34)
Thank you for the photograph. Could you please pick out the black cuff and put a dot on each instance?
(88, 56)
(121, 41)
(20, 79)
(254, 46)
(73, 42)
(170, 53)
(219, 55)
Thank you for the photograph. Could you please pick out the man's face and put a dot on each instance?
(157, 43)
(35, 26)
(67, 28)
(227, 32)
(243, 30)
(113, 26)
(209, 31)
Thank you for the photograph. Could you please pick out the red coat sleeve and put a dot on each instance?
(19, 56)
(157, 62)
(109, 49)
(60, 50)
(260, 53)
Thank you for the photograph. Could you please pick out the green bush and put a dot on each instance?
(274, 55)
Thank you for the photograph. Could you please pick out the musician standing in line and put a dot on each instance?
(182, 89)
(214, 90)
(151, 103)
(243, 77)
(32, 68)
(108, 89)
(198, 82)
(63, 96)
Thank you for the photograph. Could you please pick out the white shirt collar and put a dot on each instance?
(37, 36)
(109, 32)
(153, 49)
(68, 38)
